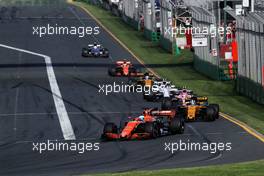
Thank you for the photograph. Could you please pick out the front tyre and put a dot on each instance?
(110, 128)
(111, 71)
(151, 128)
(177, 125)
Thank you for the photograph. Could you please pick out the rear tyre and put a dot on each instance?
(106, 53)
(84, 52)
(216, 108)
(209, 114)
(177, 125)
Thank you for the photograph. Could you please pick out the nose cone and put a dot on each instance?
(127, 131)
(123, 135)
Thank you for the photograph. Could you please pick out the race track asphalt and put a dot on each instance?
(28, 113)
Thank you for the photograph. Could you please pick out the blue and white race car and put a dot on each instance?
(95, 50)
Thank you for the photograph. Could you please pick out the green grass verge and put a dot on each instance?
(255, 168)
(179, 70)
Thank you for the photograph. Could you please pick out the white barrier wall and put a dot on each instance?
(250, 36)
(130, 8)
(203, 19)
(166, 19)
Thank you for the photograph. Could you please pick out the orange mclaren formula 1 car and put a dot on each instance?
(153, 123)
(124, 68)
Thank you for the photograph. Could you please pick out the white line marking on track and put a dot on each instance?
(194, 130)
(16, 97)
(64, 120)
(217, 157)
(15, 118)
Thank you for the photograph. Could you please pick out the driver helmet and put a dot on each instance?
(141, 117)
(192, 102)
(146, 77)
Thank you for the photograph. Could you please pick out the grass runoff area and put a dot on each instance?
(180, 71)
(255, 168)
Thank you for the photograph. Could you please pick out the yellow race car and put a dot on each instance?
(195, 108)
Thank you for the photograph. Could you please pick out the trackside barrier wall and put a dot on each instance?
(216, 67)
(204, 61)
(131, 22)
(166, 23)
(166, 43)
(106, 5)
(149, 17)
(114, 8)
(131, 12)
(250, 36)
(206, 68)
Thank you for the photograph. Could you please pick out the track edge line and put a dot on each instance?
(243, 125)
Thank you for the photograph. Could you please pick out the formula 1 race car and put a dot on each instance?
(146, 80)
(153, 123)
(177, 96)
(124, 68)
(95, 50)
(194, 108)
(161, 89)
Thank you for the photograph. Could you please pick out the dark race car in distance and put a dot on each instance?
(95, 50)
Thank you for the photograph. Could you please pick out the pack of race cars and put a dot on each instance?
(178, 105)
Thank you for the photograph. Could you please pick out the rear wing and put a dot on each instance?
(91, 45)
(122, 62)
(170, 113)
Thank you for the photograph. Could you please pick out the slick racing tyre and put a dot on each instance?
(210, 114)
(217, 109)
(110, 128)
(177, 125)
(112, 71)
(151, 128)
(105, 53)
(85, 52)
